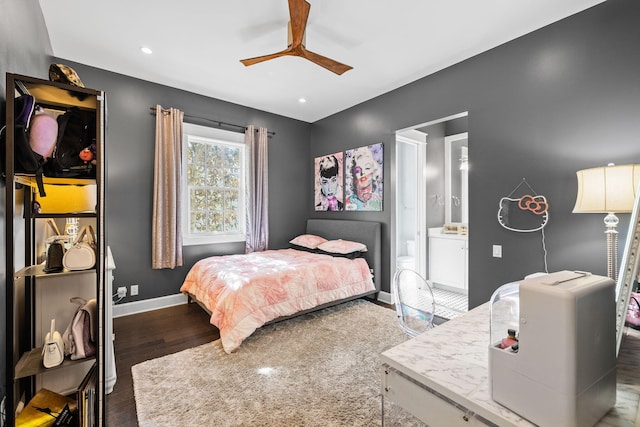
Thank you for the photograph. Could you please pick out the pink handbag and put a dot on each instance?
(633, 311)
(43, 134)
(79, 339)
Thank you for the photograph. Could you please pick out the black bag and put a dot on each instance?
(74, 155)
(25, 159)
(55, 253)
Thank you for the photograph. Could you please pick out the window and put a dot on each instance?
(213, 185)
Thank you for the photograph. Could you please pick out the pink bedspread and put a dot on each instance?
(243, 292)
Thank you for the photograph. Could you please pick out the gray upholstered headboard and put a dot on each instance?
(367, 232)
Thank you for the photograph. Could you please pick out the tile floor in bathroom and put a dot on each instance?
(450, 304)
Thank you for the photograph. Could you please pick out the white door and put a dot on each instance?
(411, 230)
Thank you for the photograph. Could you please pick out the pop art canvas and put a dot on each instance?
(363, 178)
(329, 178)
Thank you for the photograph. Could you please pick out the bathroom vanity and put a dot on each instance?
(448, 260)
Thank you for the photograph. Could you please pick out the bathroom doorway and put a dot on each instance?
(431, 210)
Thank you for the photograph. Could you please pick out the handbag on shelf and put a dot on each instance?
(43, 134)
(82, 255)
(74, 153)
(633, 311)
(55, 257)
(53, 350)
(80, 336)
(26, 160)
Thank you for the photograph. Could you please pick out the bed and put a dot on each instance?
(246, 291)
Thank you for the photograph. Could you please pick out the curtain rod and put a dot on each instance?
(220, 123)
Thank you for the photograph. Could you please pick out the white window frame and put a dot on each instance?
(218, 137)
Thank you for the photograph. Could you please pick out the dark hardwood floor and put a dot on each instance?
(146, 336)
(150, 335)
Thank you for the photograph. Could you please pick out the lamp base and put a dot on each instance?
(611, 223)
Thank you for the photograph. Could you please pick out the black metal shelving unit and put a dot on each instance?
(23, 272)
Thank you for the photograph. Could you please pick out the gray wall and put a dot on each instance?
(564, 98)
(24, 49)
(561, 99)
(130, 152)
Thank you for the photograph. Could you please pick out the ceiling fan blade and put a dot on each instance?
(298, 13)
(328, 63)
(258, 59)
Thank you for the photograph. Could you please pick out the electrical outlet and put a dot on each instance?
(497, 251)
(122, 291)
(134, 290)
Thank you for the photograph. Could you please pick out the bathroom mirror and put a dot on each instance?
(456, 185)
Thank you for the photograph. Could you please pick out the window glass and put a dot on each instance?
(213, 192)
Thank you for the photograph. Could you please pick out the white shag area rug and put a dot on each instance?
(319, 369)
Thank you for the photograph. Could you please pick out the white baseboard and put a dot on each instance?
(135, 307)
(128, 308)
(385, 297)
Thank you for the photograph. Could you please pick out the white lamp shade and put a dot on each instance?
(607, 189)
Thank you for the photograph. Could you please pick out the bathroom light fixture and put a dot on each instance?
(302, 100)
(608, 189)
(146, 50)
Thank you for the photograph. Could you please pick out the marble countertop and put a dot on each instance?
(438, 233)
(452, 359)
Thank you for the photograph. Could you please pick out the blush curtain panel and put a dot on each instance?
(166, 227)
(258, 201)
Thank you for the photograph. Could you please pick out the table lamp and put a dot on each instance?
(610, 189)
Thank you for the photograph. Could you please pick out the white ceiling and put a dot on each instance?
(198, 44)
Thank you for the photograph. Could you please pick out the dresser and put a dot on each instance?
(441, 377)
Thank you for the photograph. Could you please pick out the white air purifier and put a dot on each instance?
(562, 370)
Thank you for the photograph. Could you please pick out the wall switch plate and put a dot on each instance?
(134, 290)
(497, 251)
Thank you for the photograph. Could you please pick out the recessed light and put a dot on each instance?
(302, 100)
(146, 50)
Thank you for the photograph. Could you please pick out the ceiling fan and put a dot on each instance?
(299, 12)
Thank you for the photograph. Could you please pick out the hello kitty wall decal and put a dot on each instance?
(524, 214)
